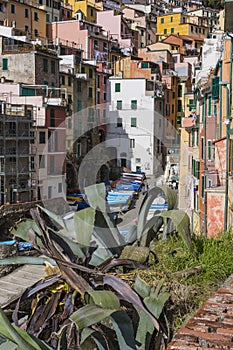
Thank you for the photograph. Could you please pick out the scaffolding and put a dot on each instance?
(16, 152)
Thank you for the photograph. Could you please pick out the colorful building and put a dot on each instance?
(180, 24)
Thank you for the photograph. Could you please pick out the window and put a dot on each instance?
(133, 122)
(69, 81)
(210, 150)
(55, 18)
(53, 67)
(79, 105)
(117, 87)
(191, 105)
(69, 99)
(142, 32)
(32, 163)
(79, 149)
(96, 45)
(132, 143)
(41, 161)
(12, 8)
(191, 28)
(26, 13)
(45, 65)
(36, 33)
(202, 148)
(90, 92)
(62, 80)
(47, 17)
(179, 106)
(138, 160)
(50, 189)
(210, 183)
(26, 28)
(91, 114)
(79, 86)
(133, 104)
(105, 96)
(90, 73)
(209, 106)
(119, 122)
(59, 187)
(35, 16)
(98, 97)
(172, 30)
(215, 87)
(4, 64)
(92, 12)
(105, 48)
(202, 186)
(171, 19)
(42, 137)
(52, 118)
(98, 81)
(183, 19)
(179, 90)
(162, 20)
(165, 31)
(69, 123)
(119, 104)
(105, 80)
(51, 164)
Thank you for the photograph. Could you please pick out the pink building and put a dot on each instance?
(118, 29)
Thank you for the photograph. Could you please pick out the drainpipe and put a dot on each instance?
(205, 169)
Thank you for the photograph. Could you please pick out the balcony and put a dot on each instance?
(188, 122)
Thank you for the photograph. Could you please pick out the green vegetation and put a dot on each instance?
(105, 291)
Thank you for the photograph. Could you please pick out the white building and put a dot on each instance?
(136, 125)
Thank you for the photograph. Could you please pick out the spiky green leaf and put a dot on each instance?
(89, 315)
(182, 223)
(104, 299)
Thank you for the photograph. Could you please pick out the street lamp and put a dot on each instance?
(227, 123)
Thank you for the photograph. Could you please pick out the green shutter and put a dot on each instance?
(79, 105)
(119, 104)
(133, 104)
(28, 92)
(145, 65)
(4, 63)
(117, 87)
(133, 122)
(198, 169)
(202, 186)
(209, 105)
(215, 88)
(209, 149)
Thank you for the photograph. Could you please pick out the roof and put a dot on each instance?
(189, 37)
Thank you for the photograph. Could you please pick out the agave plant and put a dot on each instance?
(83, 305)
(80, 307)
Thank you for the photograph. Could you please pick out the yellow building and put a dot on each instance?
(88, 7)
(25, 18)
(180, 24)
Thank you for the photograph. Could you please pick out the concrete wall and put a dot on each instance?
(215, 212)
